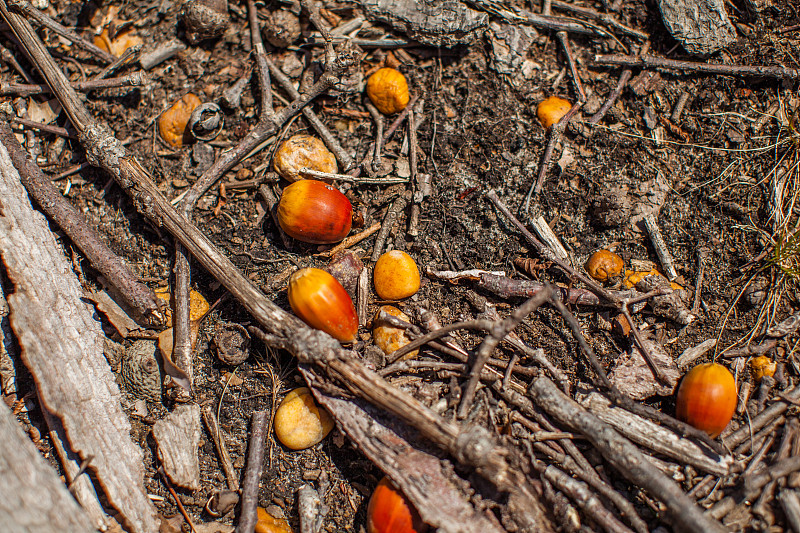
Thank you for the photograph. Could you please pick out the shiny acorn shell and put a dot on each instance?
(321, 302)
(314, 212)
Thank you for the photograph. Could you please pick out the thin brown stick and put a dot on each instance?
(259, 425)
(602, 17)
(139, 297)
(212, 427)
(496, 334)
(47, 128)
(647, 61)
(7, 56)
(356, 172)
(134, 79)
(26, 8)
(555, 135)
(389, 221)
(563, 38)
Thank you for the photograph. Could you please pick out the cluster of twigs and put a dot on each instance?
(539, 461)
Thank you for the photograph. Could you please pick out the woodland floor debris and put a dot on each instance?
(704, 151)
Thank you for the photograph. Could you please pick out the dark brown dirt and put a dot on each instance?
(478, 131)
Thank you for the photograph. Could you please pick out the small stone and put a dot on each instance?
(701, 27)
(282, 28)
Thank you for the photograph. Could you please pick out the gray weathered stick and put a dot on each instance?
(624, 456)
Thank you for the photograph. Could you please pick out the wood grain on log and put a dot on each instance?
(654, 437)
(32, 497)
(62, 346)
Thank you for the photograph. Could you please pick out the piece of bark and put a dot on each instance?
(655, 437)
(32, 497)
(701, 27)
(412, 464)
(80, 485)
(178, 438)
(62, 346)
(432, 22)
(633, 376)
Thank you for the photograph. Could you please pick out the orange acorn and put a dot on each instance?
(313, 211)
(707, 398)
(551, 110)
(321, 302)
(389, 511)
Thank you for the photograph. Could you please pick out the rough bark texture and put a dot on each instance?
(413, 466)
(62, 346)
(178, 438)
(702, 27)
(32, 497)
(432, 22)
(654, 437)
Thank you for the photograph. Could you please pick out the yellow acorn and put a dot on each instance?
(299, 422)
(388, 90)
(762, 366)
(389, 338)
(172, 122)
(395, 276)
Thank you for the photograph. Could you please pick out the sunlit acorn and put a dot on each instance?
(707, 398)
(389, 511)
(299, 422)
(551, 110)
(389, 338)
(387, 89)
(395, 276)
(172, 122)
(762, 366)
(313, 211)
(604, 265)
(302, 151)
(266, 523)
(321, 302)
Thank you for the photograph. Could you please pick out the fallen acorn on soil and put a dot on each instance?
(172, 122)
(551, 110)
(389, 338)
(762, 366)
(707, 398)
(387, 89)
(321, 302)
(395, 276)
(603, 265)
(302, 151)
(299, 422)
(314, 212)
(270, 524)
(389, 511)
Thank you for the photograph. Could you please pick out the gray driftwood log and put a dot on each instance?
(62, 346)
(32, 498)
